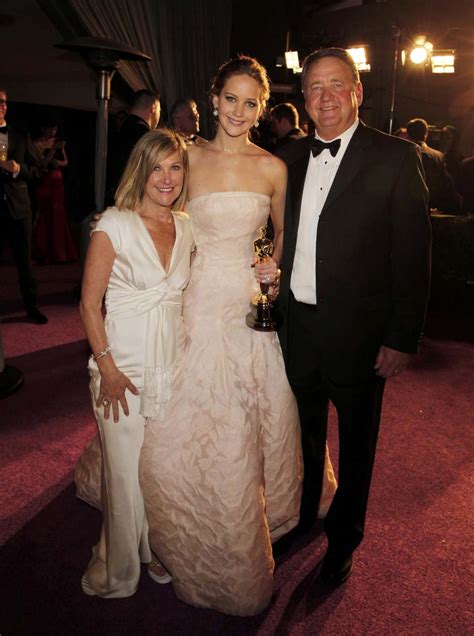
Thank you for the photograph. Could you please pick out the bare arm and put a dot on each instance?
(61, 147)
(277, 210)
(267, 271)
(98, 267)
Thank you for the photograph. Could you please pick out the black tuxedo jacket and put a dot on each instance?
(132, 130)
(21, 149)
(372, 250)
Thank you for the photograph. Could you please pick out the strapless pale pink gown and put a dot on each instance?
(222, 474)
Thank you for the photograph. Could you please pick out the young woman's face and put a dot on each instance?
(165, 182)
(239, 104)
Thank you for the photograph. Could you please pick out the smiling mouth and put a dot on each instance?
(165, 189)
(235, 122)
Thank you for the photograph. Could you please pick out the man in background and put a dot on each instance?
(286, 126)
(184, 117)
(144, 115)
(19, 164)
(443, 195)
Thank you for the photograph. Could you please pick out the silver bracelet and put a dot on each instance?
(102, 353)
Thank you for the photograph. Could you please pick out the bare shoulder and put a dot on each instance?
(273, 165)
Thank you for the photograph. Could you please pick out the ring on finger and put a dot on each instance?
(106, 402)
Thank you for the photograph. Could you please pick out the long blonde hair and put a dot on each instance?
(149, 150)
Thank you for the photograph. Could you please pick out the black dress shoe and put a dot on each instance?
(336, 569)
(35, 315)
(11, 379)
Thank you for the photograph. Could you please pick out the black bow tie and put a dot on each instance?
(317, 146)
(3, 129)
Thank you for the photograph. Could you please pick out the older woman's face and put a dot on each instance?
(165, 182)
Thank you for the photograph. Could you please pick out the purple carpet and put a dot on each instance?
(412, 574)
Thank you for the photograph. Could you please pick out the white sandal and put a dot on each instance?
(157, 572)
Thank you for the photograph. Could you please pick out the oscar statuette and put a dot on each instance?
(262, 317)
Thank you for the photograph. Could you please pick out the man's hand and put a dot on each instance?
(390, 362)
(10, 165)
(94, 221)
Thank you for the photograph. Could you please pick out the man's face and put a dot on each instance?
(186, 120)
(155, 114)
(3, 107)
(332, 97)
(277, 127)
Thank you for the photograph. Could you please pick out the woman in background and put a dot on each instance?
(53, 239)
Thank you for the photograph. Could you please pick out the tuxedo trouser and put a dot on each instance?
(358, 407)
(18, 233)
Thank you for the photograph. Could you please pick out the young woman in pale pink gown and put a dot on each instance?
(221, 473)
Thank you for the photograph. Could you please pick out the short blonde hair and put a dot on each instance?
(149, 150)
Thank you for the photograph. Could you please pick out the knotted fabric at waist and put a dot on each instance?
(128, 304)
(163, 309)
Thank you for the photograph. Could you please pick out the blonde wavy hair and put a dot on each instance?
(149, 151)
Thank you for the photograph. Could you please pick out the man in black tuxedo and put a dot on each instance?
(20, 166)
(354, 288)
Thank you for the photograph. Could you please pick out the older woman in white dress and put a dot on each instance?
(139, 256)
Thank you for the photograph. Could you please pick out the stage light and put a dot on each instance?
(359, 55)
(292, 59)
(442, 62)
(418, 55)
(421, 50)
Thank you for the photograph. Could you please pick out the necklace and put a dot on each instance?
(231, 151)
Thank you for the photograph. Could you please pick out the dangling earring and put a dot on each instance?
(256, 124)
(215, 112)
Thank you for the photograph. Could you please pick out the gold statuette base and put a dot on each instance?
(262, 317)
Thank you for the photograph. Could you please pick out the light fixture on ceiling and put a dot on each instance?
(359, 55)
(292, 61)
(442, 61)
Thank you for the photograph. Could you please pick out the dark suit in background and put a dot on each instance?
(15, 210)
(133, 128)
(443, 194)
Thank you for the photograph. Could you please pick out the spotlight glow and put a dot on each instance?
(419, 55)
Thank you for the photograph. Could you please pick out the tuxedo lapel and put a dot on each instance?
(355, 158)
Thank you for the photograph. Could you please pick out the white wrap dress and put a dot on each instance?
(145, 332)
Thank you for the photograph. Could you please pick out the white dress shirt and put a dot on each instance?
(318, 181)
